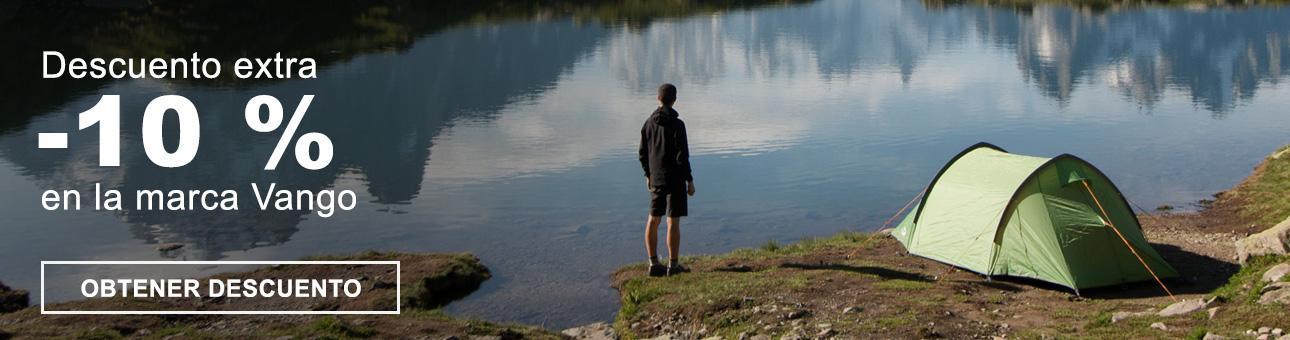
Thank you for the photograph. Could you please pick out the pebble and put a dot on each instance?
(1160, 326)
(1212, 336)
(169, 246)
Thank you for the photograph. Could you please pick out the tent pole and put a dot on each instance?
(1126, 241)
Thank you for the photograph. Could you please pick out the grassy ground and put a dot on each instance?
(813, 289)
(778, 290)
(1262, 198)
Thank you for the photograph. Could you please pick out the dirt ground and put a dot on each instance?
(838, 303)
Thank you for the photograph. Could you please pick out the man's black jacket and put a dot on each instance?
(664, 151)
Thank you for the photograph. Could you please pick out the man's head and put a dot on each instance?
(667, 95)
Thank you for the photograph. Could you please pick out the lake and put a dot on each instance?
(511, 132)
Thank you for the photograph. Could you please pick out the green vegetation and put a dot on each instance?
(12, 300)
(1262, 198)
(100, 334)
(333, 328)
(1246, 284)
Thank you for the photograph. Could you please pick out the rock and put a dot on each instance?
(1121, 316)
(1263, 337)
(850, 310)
(1275, 240)
(1213, 312)
(595, 331)
(452, 337)
(1212, 336)
(1265, 330)
(169, 246)
(665, 337)
(1276, 293)
(825, 334)
(795, 315)
(1274, 286)
(791, 336)
(1276, 272)
(1183, 307)
(760, 337)
(1160, 326)
(12, 300)
(1277, 332)
(713, 338)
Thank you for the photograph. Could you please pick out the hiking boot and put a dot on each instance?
(657, 270)
(677, 269)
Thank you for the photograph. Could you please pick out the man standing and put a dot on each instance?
(665, 157)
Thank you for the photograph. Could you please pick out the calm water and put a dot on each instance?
(515, 138)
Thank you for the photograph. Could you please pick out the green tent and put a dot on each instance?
(1000, 214)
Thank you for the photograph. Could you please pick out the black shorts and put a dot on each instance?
(671, 202)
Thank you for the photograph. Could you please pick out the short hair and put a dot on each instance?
(667, 93)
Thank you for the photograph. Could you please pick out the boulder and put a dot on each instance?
(1183, 307)
(1275, 240)
(12, 300)
(595, 331)
(1276, 272)
(1212, 336)
(1121, 316)
(1276, 293)
(1274, 286)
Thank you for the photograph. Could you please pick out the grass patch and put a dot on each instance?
(100, 334)
(770, 246)
(1262, 197)
(894, 321)
(333, 328)
(773, 248)
(711, 296)
(932, 300)
(1066, 313)
(1250, 274)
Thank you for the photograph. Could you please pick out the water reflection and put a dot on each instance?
(1219, 57)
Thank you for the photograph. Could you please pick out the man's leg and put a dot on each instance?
(651, 235)
(651, 245)
(673, 238)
